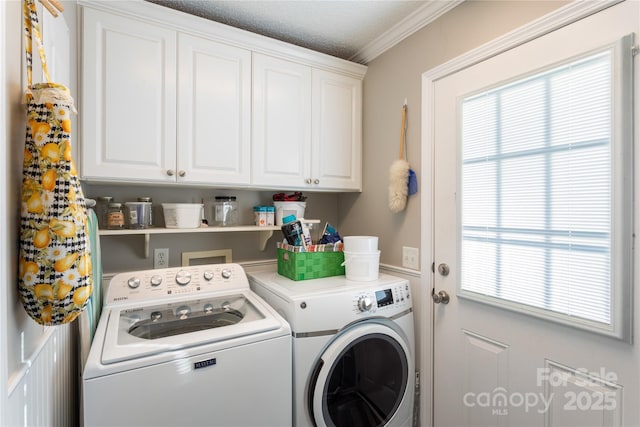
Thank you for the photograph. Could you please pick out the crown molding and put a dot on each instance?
(423, 16)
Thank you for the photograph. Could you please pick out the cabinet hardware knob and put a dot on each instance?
(170, 172)
(316, 181)
(182, 173)
(308, 180)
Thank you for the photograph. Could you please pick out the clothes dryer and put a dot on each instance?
(353, 348)
(188, 346)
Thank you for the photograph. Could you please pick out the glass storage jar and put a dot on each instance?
(115, 216)
(102, 207)
(226, 211)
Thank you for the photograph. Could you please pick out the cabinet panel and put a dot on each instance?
(214, 114)
(337, 133)
(128, 99)
(281, 122)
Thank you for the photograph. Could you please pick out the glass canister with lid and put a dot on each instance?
(225, 211)
(115, 216)
(102, 207)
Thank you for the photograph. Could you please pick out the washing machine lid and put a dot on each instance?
(134, 332)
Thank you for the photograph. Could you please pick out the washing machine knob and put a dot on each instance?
(156, 280)
(364, 303)
(183, 277)
(208, 275)
(133, 282)
(226, 273)
(183, 311)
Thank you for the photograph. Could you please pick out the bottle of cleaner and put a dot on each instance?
(292, 230)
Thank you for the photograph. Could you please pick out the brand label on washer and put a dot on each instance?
(204, 363)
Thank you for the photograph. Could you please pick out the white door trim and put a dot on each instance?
(559, 18)
(4, 278)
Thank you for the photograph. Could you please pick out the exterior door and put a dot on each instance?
(500, 367)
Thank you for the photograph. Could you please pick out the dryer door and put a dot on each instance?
(362, 378)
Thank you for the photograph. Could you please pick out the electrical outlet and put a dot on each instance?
(161, 258)
(410, 258)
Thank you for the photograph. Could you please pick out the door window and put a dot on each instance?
(545, 171)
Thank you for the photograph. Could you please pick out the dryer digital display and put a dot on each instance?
(384, 297)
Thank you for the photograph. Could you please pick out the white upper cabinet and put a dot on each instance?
(172, 98)
(281, 122)
(128, 99)
(214, 112)
(306, 127)
(336, 144)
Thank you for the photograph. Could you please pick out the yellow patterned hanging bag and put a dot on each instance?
(55, 279)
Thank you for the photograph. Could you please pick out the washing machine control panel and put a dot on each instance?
(374, 300)
(158, 283)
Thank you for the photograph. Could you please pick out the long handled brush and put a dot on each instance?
(402, 180)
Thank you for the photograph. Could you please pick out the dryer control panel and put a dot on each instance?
(375, 300)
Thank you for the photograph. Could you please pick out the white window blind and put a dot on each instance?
(539, 197)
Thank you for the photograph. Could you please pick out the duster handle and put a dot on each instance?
(403, 131)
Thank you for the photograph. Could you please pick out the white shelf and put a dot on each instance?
(264, 233)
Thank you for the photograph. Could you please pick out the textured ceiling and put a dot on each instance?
(334, 27)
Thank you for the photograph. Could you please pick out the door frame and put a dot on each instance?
(559, 18)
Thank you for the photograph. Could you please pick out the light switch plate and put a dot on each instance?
(410, 258)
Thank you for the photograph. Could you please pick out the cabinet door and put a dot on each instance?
(336, 156)
(281, 123)
(128, 107)
(214, 112)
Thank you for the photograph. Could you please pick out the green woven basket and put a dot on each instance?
(309, 265)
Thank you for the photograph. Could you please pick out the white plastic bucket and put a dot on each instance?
(367, 244)
(361, 266)
(289, 208)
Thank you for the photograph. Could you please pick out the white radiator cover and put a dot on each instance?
(46, 392)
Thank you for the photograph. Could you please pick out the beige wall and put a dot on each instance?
(395, 76)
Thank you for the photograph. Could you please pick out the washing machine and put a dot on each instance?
(188, 346)
(353, 348)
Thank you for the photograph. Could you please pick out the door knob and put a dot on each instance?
(440, 298)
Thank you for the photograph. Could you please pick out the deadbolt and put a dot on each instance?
(443, 269)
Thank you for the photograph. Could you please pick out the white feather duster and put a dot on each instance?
(398, 185)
